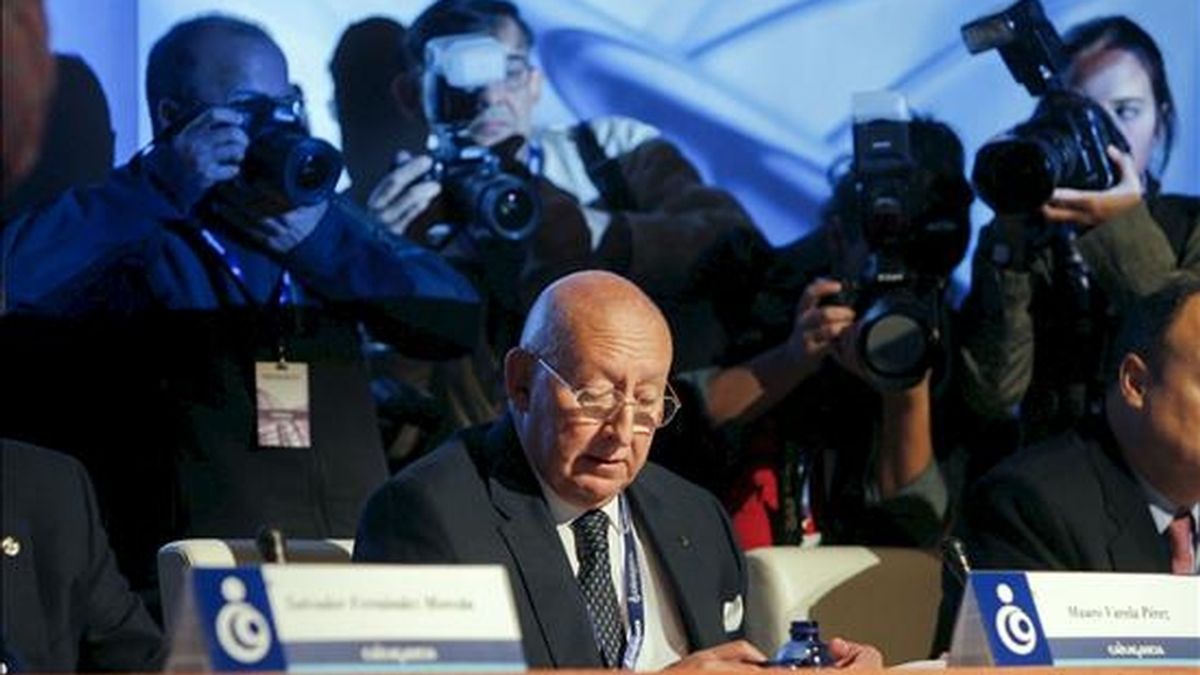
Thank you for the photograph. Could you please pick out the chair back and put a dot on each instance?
(178, 557)
(887, 597)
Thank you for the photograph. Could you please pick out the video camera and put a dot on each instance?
(911, 209)
(1063, 143)
(482, 196)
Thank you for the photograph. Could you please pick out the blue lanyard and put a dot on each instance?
(287, 292)
(635, 602)
(535, 159)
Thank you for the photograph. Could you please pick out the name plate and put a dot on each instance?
(322, 618)
(1078, 619)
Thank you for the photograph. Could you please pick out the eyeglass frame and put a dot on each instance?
(668, 395)
(515, 81)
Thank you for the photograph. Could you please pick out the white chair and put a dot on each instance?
(887, 597)
(177, 557)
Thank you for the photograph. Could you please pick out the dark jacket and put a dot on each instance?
(65, 605)
(1070, 503)
(475, 500)
(122, 319)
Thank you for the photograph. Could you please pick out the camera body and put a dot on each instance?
(913, 219)
(1063, 143)
(283, 163)
(484, 198)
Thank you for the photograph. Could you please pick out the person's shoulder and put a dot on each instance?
(1043, 468)
(619, 135)
(29, 464)
(447, 461)
(662, 481)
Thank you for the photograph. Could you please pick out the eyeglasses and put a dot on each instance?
(516, 71)
(604, 404)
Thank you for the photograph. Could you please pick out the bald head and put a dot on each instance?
(590, 305)
(595, 336)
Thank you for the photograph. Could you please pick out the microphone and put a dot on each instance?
(954, 556)
(272, 545)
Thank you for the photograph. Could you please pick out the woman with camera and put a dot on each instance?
(1041, 313)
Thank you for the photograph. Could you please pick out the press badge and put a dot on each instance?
(281, 388)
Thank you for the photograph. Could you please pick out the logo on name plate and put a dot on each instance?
(1010, 619)
(1013, 626)
(235, 619)
(242, 631)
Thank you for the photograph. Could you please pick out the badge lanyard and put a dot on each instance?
(635, 602)
(287, 290)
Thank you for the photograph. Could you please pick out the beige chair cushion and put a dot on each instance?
(887, 597)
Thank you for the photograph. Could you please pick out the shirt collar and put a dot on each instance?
(1163, 510)
(564, 512)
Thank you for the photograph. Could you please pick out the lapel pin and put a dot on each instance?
(10, 546)
(684, 541)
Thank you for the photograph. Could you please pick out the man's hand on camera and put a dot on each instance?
(817, 327)
(403, 195)
(1090, 208)
(276, 233)
(207, 151)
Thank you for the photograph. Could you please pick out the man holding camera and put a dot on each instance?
(195, 317)
(614, 196)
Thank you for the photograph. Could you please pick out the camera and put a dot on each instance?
(1063, 143)
(283, 163)
(906, 200)
(489, 201)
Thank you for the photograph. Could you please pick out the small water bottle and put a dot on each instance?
(805, 649)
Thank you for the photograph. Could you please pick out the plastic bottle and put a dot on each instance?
(805, 649)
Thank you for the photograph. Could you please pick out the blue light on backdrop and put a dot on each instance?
(757, 93)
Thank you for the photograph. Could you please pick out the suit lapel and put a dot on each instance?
(544, 571)
(674, 539)
(1134, 544)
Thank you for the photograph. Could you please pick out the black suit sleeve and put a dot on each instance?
(118, 634)
(400, 525)
(1011, 525)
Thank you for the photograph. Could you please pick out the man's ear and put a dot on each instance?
(1133, 381)
(166, 113)
(518, 378)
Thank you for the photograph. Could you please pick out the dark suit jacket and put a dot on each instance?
(1068, 503)
(475, 500)
(65, 605)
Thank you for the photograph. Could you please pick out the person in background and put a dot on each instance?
(203, 331)
(1022, 342)
(616, 196)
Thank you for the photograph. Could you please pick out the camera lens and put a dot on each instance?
(895, 345)
(513, 212)
(1015, 175)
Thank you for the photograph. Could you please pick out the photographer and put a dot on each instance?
(828, 441)
(646, 214)
(1031, 341)
(194, 318)
(613, 196)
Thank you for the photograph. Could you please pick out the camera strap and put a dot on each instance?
(604, 171)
